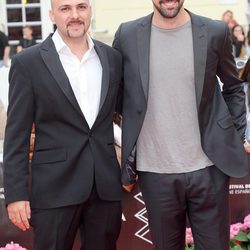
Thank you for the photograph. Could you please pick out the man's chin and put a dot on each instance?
(72, 34)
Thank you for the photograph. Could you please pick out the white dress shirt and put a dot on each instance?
(85, 76)
(117, 135)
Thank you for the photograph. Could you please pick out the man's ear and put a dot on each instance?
(51, 15)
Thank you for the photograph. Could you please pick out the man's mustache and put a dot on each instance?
(165, 1)
(75, 22)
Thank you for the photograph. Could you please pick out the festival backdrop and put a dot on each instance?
(135, 233)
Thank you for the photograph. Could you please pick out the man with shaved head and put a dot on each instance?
(67, 87)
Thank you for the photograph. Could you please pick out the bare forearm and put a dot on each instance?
(6, 55)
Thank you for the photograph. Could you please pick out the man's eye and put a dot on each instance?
(82, 7)
(65, 9)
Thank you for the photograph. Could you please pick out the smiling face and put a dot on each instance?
(72, 17)
(168, 8)
(237, 30)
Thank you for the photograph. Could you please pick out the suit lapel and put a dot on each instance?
(101, 52)
(200, 55)
(143, 45)
(53, 63)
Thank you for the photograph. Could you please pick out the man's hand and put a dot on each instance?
(247, 146)
(19, 214)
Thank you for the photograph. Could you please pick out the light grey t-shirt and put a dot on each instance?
(169, 141)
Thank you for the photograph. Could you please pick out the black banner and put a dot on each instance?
(135, 232)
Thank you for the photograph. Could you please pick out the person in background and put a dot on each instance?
(2, 120)
(66, 88)
(245, 77)
(184, 135)
(227, 17)
(239, 41)
(248, 43)
(117, 135)
(4, 50)
(118, 144)
(27, 40)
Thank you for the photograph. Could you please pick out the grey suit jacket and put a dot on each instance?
(221, 114)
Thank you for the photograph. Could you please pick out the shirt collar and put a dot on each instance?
(61, 45)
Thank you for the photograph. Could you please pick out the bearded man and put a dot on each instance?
(182, 133)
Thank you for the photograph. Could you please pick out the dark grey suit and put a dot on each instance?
(69, 158)
(221, 115)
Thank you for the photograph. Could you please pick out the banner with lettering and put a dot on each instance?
(135, 233)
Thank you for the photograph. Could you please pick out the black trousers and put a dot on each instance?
(99, 223)
(201, 195)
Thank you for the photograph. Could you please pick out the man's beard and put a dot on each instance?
(165, 13)
(70, 33)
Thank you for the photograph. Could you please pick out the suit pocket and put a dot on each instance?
(49, 156)
(226, 122)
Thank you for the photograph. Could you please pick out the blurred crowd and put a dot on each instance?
(26, 40)
(240, 39)
(241, 53)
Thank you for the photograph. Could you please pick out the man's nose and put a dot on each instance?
(74, 13)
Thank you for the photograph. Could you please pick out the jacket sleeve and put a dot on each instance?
(17, 134)
(233, 91)
(116, 45)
